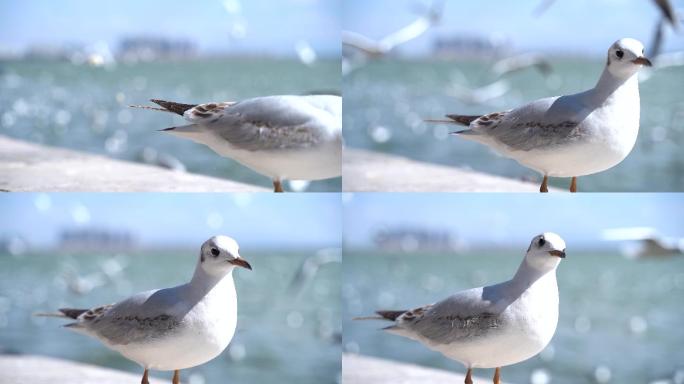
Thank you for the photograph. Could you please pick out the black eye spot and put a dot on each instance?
(541, 241)
(215, 252)
(619, 54)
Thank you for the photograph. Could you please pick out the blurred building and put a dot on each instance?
(415, 239)
(134, 49)
(469, 46)
(96, 240)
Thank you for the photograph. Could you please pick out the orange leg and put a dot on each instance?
(145, 380)
(545, 184)
(176, 377)
(277, 186)
(469, 378)
(573, 185)
(497, 375)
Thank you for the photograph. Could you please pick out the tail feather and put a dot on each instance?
(66, 313)
(177, 108)
(151, 108)
(183, 129)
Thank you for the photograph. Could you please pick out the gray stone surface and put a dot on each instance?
(358, 369)
(19, 369)
(32, 167)
(377, 172)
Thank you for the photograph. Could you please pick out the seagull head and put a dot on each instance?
(545, 251)
(626, 57)
(220, 255)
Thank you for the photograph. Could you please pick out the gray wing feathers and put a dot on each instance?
(461, 316)
(127, 322)
(271, 123)
(540, 124)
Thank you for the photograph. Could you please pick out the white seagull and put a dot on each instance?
(282, 137)
(493, 326)
(172, 328)
(573, 135)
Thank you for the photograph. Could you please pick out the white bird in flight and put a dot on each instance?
(376, 48)
(496, 325)
(573, 135)
(172, 328)
(282, 137)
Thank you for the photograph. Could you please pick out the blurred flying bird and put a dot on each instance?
(650, 243)
(310, 266)
(521, 62)
(377, 48)
(479, 95)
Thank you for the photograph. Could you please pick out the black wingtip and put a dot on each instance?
(72, 313)
(463, 119)
(390, 315)
(166, 129)
(177, 108)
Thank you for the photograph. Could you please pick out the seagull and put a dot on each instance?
(520, 62)
(573, 135)
(496, 325)
(651, 243)
(282, 137)
(172, 328)
(481, 94)
(377, 48)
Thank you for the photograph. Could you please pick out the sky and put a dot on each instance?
(274, 27)
(507, 220)
(258, 220)
(271, 27)
(571, 27)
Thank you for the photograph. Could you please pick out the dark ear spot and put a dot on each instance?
(202, 258)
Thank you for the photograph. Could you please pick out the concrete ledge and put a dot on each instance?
(365, 171)
(48, 370)
(32, 167)
(357, 369)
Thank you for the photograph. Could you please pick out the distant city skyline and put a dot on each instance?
(256, 220)
(255, 27)
(275, 28)
(490, 220)
(577, 27)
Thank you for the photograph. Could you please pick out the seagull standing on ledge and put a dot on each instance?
(282, 137)
(493, 326)
(573, 135)
(174, 328)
